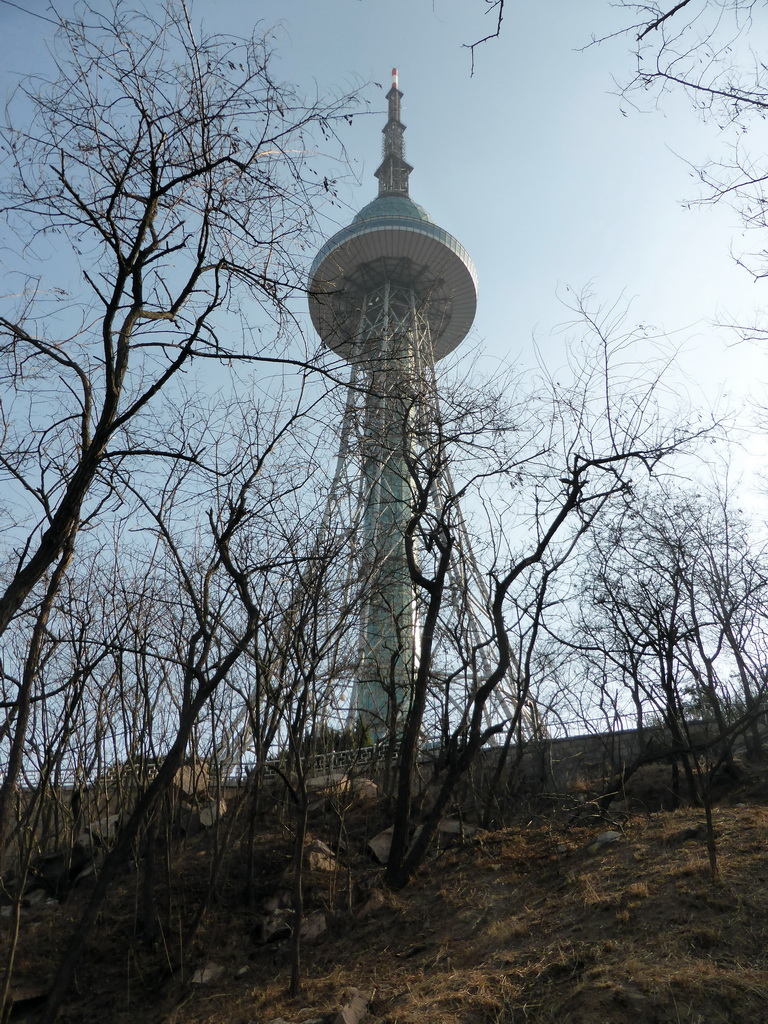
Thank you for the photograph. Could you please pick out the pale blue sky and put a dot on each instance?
(531, 163)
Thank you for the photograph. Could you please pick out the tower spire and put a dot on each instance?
(393, 171)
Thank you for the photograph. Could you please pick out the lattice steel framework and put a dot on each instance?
(393, 293)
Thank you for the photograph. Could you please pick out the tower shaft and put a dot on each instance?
(394, 337)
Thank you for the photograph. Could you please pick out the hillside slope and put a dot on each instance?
(526, 924)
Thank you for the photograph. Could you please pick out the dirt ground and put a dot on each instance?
(525, 924)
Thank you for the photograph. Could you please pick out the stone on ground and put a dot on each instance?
(381, 844)
(354, 1007)
(604, 839)
(375, 901)
(320, 857)
(207, 975)
(211, 812)
(313, 927)
(192, 780)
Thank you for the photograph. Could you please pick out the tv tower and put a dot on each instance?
(392, 294)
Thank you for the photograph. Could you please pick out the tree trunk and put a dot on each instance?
(298, 895)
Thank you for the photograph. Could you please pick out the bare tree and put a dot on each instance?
(669, 624)
(553, 465)
(209, 586)
(301, 629)
(165, 174)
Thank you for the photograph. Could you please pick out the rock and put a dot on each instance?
(272, 928)
(57, 871)
(189, 821)
(320, 857)
(693, 832)
(205, 815)
(604, 839)
(23, 998)
(210, 813)
(375, 901)
(281, 898)
(428, 797)
(104, 830)
(381, 844)
(51, 871)
(313, 927)
(334, 783)
(82, 861)
(365, 791)
(191, 780)
(416, 833)
(85, 872)
(353, 1008)
(207, 975)
(562, 848)
(453, 827)
(34, 896)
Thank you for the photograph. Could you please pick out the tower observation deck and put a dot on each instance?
(392, 243)
(392, 293)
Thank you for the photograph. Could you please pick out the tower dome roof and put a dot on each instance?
(392, 206)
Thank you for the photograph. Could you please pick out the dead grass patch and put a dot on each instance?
(507, 931)
(637, 891)
(501, 930)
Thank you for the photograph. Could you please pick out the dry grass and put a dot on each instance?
(519, 926)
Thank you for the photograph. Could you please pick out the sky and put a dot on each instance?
(550, 180)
